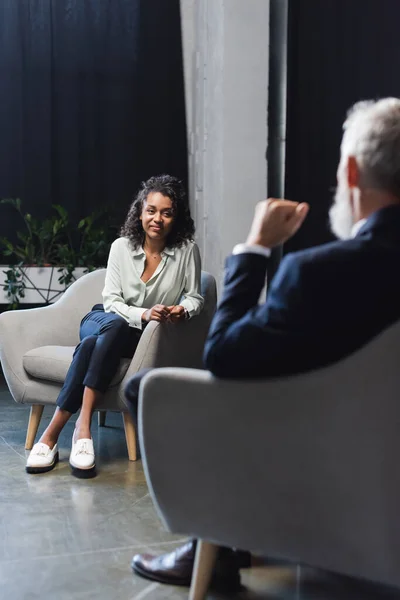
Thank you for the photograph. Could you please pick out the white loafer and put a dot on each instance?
(82, 458)
(41, 458)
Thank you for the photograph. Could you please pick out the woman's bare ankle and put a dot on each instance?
(49, 440)
(82, 432)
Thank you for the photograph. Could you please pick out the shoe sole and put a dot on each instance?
(167, 580)
(83, 473)
(37, 470)
(217, 583)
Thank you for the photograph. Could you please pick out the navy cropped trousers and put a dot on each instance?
(105, 339)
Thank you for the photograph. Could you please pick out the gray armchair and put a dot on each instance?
(304, 468)
(36, 347)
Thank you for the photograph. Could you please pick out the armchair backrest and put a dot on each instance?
(84, 293)
(209, 293)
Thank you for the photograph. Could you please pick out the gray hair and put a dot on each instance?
(372, 136)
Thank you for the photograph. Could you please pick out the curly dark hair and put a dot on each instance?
(183, 225)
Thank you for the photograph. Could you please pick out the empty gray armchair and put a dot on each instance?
(36, 347)
(303, 468)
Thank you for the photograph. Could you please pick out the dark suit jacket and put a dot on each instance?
(323, 304)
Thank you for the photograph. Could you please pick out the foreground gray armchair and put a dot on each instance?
(304, 468)
(36, 347)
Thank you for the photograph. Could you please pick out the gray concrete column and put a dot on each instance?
(227, 93)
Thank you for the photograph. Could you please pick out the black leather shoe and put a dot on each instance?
(176, 568)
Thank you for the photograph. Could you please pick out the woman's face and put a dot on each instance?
(157, 216)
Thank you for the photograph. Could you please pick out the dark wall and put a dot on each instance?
(91, 102)
(339, 52)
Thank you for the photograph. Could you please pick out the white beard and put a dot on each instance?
(340, 215)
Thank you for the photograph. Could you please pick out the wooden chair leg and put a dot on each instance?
(206, 555)
(101, 418)
(130, 435)
(33, 425)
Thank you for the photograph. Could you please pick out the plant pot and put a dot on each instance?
(41, 284)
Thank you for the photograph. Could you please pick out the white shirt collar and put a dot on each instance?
(140, 252)
(357, 226)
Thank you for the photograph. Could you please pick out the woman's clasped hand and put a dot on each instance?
(162, 314)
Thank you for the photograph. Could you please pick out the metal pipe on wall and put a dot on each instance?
(277, 107)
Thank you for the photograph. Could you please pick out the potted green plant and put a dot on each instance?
(50, 254)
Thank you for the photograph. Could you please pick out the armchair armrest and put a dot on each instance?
(171, 344)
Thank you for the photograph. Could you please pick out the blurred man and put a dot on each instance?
(323, 303)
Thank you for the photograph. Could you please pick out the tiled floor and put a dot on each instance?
(67, 539)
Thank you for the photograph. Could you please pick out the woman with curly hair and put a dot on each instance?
(153, 274)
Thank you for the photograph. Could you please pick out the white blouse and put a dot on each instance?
(175, 281)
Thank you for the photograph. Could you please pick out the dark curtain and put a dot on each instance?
(339, 52)
(91, 102)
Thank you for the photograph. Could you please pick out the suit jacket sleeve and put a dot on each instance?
(251, 340)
